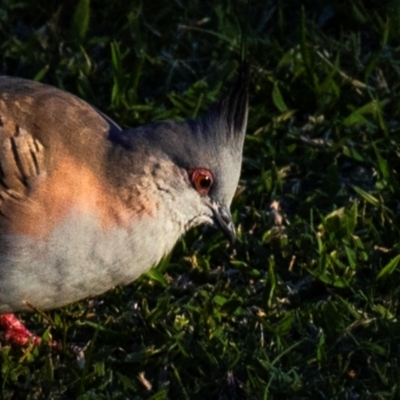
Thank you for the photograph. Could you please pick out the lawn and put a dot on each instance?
(305, 304)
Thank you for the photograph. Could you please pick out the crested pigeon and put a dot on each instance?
(86, 205)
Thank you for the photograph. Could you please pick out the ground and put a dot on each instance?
(305, 304)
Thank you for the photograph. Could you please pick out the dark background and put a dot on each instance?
(306, 304)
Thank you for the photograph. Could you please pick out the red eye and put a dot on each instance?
(202, 180)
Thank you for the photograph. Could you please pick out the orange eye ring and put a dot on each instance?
(202, 180)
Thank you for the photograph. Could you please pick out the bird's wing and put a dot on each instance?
(51, 148)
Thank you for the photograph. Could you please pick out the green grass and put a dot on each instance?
(306, 304)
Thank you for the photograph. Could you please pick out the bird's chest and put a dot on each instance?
(78, 259)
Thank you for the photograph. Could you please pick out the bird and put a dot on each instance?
(86, 205)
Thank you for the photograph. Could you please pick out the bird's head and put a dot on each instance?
(207, 153)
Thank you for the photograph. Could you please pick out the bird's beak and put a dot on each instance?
(223, 219)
